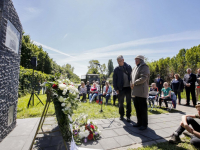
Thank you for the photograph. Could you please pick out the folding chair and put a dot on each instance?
(153, 98)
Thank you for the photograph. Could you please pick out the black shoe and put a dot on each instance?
(121, 118)
(174, 139)
(136, 125)
(186, 104)
(142, 128)
(128, 120)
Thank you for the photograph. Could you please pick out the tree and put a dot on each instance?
(110, 67)
(93, 68)
(26, 51)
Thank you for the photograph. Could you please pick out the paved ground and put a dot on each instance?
(22, 135)
(115, 134)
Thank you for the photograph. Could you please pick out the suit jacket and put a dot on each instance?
(118, 76)
(140, 78)
(190, 79)
(159, 86)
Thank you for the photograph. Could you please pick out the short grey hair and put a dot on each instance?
(188, 69)
(120, 57)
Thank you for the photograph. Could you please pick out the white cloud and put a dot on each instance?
(80, 61)
(189, 35)
(32, 10)
(52, 49)
(65, 36)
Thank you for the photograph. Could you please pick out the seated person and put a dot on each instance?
(88, 88)
(115, 96)
(151, 97)
(83, 91)
(153, 87)
(184, 125)
(98, 87)
(93, 92)
(107, 90)
(166, 94)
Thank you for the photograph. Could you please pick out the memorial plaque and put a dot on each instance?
(12, 37)
(10, 115)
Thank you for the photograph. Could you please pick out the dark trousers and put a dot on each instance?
(126, 91)
(159, 90)
(194, 140)
(178, 95)
(114, 99)
(165, 100)
(88, 93)
(192, 91)
(84, 96)
(141, 110)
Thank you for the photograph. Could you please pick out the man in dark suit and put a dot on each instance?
(121, 84)
(159, 83)
(189, 82)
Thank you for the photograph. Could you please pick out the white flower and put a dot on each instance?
(59, 81)
(95, 123)
(98, 131)
(69, 105)
(61, 99)
(66, 108)
(82, 129)
(62, 86)
(63, 104)
(88, 122)
(81, 135)
(84, 134)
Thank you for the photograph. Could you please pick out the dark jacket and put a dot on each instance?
(158, 85)
(118, 76)
(192, 78)
(178, 88)
(88, 87)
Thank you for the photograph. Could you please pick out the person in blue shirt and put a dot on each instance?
(166, 94)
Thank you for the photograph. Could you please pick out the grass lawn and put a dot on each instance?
(109, 111)
(32, 111)
(184, 145)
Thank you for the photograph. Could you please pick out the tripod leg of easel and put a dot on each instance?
(29, 100)
(45, 113)
(39, 99)
(45, 107)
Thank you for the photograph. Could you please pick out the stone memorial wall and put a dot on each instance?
(10, 51)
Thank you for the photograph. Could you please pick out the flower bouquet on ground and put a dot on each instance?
(64, 96)
(84, 129)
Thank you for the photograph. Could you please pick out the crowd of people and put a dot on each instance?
(96, 92)
(133, 84)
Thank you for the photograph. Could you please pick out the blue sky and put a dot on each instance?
(77, 31)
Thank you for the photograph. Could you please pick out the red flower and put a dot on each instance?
(54, 86)
(91, 126)
(64, 83)
(90, 136)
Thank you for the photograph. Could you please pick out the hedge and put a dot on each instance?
(25, 80)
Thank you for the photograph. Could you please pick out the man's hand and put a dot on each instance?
(188, 85)
(132, 86)
(181, 124)
(117, 91)
(104, 93)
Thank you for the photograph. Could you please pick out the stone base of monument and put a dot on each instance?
(21, 136)
(10, 45)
